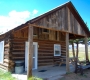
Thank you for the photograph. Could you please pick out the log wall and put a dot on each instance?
(46, 52)
(18, 48)
(45, 41)
(8, 64)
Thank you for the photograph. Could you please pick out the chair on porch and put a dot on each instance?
(59, 60)
(56, 60)
(63, 60)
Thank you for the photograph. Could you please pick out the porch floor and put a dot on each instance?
(51, 73)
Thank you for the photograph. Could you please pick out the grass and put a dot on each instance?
(6, 75)
(81, 53)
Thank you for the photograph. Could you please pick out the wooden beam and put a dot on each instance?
(67, 52)
(86, 49)
(30, 54)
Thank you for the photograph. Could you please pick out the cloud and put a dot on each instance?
(35, 11)
(14, 19)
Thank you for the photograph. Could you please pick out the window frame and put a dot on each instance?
(57, 50)
(2, 51)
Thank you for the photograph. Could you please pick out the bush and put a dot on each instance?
(6, 76)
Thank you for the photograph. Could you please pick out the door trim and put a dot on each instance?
(36, 55)
(26, 55)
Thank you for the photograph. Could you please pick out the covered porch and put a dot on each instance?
(51, 72)
(46, 38)
(46, 41)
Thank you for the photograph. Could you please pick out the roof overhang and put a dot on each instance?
(72, 9)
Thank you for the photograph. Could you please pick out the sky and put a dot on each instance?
(16, 12)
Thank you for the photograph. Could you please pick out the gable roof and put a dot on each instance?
(72, 9)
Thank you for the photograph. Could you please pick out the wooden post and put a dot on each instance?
(67, 52)
(86, 49)
(73, 51)
(30, 54)
(77, 51)
(76, 58)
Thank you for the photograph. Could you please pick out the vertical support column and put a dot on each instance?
(73, 51)
(30, 54)
(77, 50)
(67, 52)
(86, 48)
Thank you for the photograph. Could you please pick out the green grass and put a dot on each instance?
(81, 53)
(6, 75)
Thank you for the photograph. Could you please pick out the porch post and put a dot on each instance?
(30, 54)
(67, 52)
(86, 49)
(73, 51)
(77, 50)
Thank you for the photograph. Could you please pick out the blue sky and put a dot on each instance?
(16, 12)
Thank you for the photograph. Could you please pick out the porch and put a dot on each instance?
(51, 72)
(44, 50)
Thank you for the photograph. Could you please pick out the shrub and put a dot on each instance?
(6, 76)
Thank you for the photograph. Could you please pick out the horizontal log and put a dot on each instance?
(18, 42)
(18, 58)
(10, 62)
(49, 50)
(6, 52)
(18, 45)
(44, 64)
(17, 49)
(18, 53)
(6, 45)
(45, 60)
(4, 64)
(45, 54)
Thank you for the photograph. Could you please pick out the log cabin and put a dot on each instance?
(43, 40)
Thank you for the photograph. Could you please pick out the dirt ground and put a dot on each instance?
(73, 76)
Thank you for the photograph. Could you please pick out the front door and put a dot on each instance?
(35, 52)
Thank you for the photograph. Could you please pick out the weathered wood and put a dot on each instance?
(86, 49)
(73, 51)
(67, 52)
(77, 51)
(46, 51)
(30, 54)
(61, 20)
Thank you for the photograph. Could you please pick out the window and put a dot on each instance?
(1, 51)
(57, 50)
(45, 30)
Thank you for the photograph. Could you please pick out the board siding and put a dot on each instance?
(59, 21)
